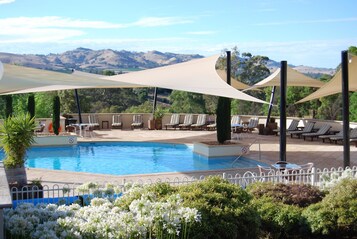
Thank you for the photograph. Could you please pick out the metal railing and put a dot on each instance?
(67, 192)
(245, 151)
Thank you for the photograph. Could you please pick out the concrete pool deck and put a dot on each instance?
(323, 155)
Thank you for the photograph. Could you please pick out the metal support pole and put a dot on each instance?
(78, 106)
(345, 110)
(154, 101)
(283, 79)
(272, 94)
(228, 117)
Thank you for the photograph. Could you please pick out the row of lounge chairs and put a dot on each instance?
(240, 127)
(137, 122)
(201, 122)
(322, 133)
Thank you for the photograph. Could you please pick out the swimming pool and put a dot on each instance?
(123, 158)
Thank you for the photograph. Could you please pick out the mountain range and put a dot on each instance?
(97, 60)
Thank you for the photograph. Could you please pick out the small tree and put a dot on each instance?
(8, 107)
(223, 119)
(31, 105)
(56, 115)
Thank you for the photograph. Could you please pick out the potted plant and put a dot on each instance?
(158, 115)
(16, 136)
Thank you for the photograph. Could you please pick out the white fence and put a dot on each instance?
(69, 193)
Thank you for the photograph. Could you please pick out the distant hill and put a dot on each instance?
(88, 60)
(107, 59)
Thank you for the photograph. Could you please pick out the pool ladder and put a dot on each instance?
(255, 141)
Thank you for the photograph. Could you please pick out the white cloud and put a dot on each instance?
(56, 22)
(54, 28)
(201, 33)
(160, 21)
(6, 1)
(351, 19)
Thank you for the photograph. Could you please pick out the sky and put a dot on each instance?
(302, 32)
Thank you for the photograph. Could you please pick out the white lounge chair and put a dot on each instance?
(201, 122)
(116, 122)
(93, 121)
(187, 122)
(137, 122)
(174, 121)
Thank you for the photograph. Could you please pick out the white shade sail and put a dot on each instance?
(294, 78)
(334, 86)
(199, 76)
(234, 83)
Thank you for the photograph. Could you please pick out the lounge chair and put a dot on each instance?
(292, 127)
(201, 122)
(353, 135)
(322, 131)
(93, 121)
(116, 122)
(187, 122)
(174, 121)
(212, 125)
(236, 124)
(324, 137)
(308, 129)
(253, 123)
(137, 122)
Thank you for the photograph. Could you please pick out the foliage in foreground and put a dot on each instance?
(336, 215)
(16, 135)
(225, 209)
(146, 217)
(300, 195)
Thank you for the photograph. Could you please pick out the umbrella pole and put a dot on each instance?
(345, 110)
(283, 79)
(270, 105)
(154, 101)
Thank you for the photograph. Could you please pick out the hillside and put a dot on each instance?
(88, 60)
(97, 60)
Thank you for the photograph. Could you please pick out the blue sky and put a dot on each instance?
(303, 32)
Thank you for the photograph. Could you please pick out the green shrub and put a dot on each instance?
(292, 194)
(225, 209)
(336, 215)
(279, 220)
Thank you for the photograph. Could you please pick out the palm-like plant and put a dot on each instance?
(17, 135)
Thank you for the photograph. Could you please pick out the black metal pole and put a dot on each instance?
(345, 110)
(283, 79)
(229, 67)
(155, 99)
(78, 106)
(272, 94)
(228, 117)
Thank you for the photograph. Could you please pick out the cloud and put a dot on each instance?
(55, 22)
(351, 19)
(160, 21)
(201, 33)
(6, 1)
(55, 28)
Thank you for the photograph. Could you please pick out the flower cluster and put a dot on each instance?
(329, 181)
(104, 218)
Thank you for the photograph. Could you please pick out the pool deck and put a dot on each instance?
(323, 155)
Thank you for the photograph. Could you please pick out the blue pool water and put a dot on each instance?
(122, 158)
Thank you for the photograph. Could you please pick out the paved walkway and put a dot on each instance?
(323, 155)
